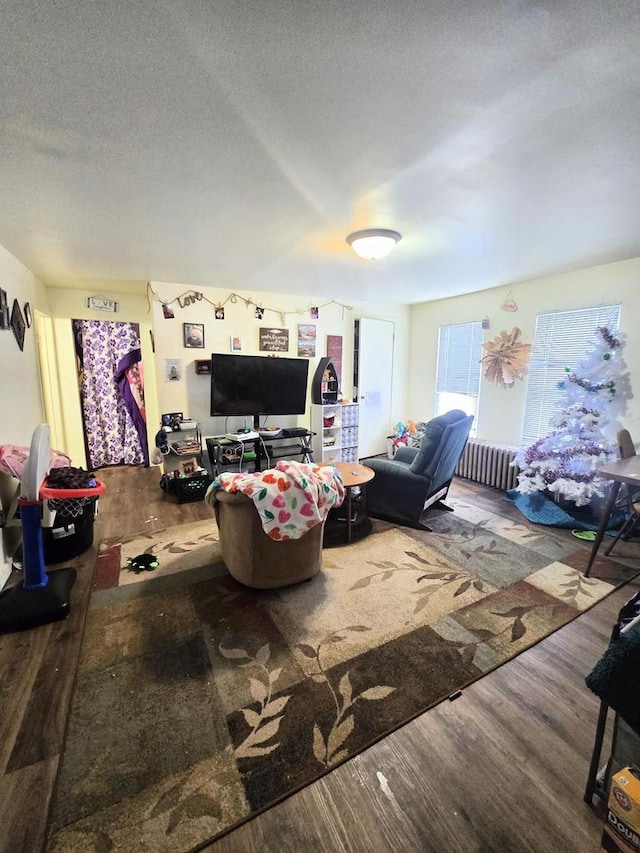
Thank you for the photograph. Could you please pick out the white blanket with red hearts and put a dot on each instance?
(290, 498)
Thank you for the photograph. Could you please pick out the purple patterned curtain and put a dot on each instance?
(111, 392)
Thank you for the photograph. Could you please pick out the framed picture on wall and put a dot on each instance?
(17, 323)
(306, 340)
(4, 310)
(173, 370)
(193, 335)
(274, 340)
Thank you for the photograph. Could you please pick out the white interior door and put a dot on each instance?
(375, 369)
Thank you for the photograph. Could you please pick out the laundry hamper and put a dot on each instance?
(67, 521)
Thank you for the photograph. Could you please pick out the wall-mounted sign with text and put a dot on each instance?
(334, 351)
(99, 303)
(274, 340)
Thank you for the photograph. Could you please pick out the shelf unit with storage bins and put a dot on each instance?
(335, 428)
(185, 447)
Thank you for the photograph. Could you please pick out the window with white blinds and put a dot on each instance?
(458, 371)
(561, 340)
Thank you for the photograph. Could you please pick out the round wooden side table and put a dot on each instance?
(353, 474)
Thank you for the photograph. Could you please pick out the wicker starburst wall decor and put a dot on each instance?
(505, 358)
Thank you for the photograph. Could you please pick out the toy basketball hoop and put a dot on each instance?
(41, 598)
(70, 502)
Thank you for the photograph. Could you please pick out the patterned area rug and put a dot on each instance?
(176, 549)
(200, 703)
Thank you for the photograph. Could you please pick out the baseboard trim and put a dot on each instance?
(5, 571)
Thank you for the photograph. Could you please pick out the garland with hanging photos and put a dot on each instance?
(191, 297)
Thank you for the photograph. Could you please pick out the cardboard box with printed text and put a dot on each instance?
(621, 832)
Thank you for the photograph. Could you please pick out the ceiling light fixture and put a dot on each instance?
(373, 243)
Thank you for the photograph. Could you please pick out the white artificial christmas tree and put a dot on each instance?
(564, 461)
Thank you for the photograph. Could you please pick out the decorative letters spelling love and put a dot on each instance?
(189, 298)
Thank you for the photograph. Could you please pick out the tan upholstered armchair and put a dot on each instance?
(254, 559)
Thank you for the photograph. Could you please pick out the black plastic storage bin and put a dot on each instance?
(71, 534)
(188, 489)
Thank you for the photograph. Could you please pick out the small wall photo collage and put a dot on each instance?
(270, 340)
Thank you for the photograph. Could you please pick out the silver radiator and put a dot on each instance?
(489, 463)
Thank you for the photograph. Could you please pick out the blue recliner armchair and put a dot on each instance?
(418, 477)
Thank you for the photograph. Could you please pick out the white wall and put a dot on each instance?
(501, 410)
(19, 373)
(191, 395)
(20, 397)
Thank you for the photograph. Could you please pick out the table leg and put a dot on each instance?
(348, 491)
(604, 521)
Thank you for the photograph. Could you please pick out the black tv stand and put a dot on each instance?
(228, 455)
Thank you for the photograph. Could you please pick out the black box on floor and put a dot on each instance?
(71, 534)
(188, 489)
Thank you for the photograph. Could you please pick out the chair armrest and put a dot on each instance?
(394, 469)
(406, 454)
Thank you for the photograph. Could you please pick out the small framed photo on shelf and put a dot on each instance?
(193, 335)
(168, 417)
(236, 343)
(189, 467)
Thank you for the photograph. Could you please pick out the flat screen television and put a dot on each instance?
(258, 385)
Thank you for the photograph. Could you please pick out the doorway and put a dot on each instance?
(49, 379)
(111, 386)
(373, 371)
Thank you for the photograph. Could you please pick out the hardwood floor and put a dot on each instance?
(37, 667)
(501, 769)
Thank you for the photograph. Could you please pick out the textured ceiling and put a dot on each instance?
(236, 144)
